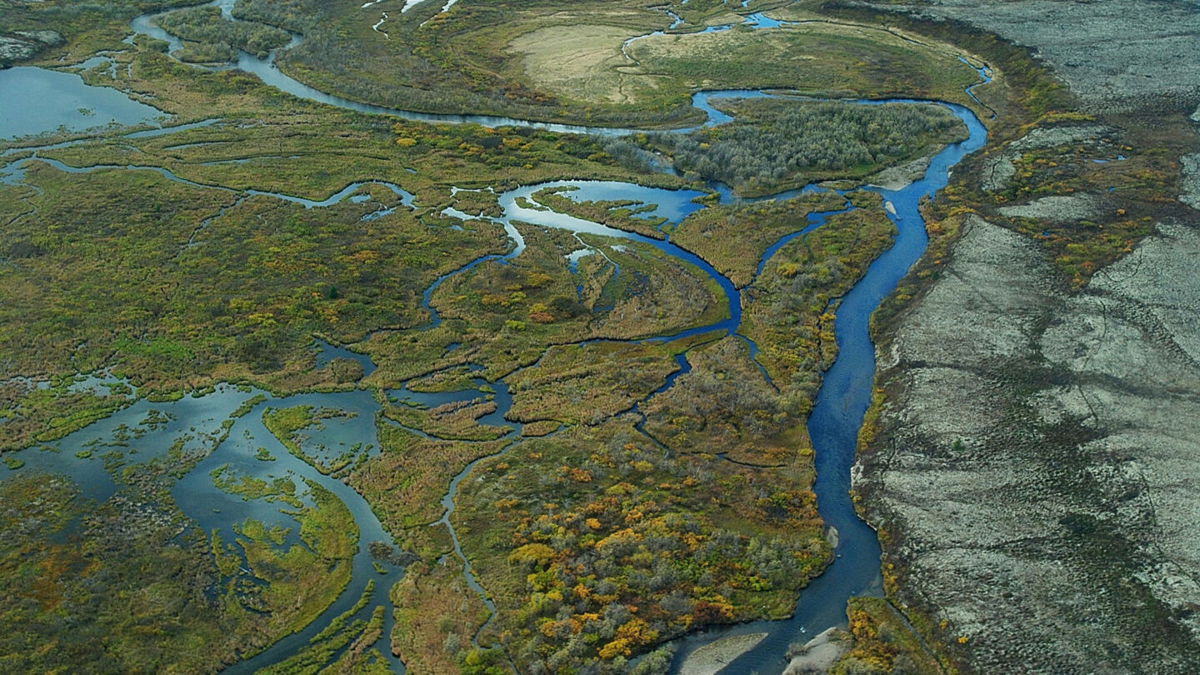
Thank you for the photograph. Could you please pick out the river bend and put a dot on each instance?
(833, 425)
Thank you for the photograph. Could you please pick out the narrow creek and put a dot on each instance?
(833, 425)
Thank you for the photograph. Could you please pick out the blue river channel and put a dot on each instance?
(144, 430)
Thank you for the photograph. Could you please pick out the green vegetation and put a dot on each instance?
(1124, 197)
(776, 144)
(134, 583)
(452, 378)
(595, 545)
(33, 413)
(248, 487)
(405, 481)
(1082, 245)
(451, 421)
(86, 28)
(623, 215)
(734, 238)
(206, 26)
(588, 383)
(538, 59)
(883, 643)
(245, 408)
(1125, 173)
(1027, 96)
(231, 299)
(63, 570)
(791, 316)
(621, 518)
(289, 426)
(437, 616)
(1026, 89)
(725, 406)
(818, 58)
(250, 320)
(350, 637)
(207, 52)
(304, 578)
(448, 63)
(506, 315)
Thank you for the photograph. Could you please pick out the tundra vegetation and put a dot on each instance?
(144, 589)
(84, 28)
(211, 37)
(541, 60)
(598, 546)
(626, 514)
(776, 144)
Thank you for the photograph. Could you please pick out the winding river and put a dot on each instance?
(833, 425)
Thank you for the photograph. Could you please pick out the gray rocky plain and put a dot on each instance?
(1038, 468)
(25, 44)
(1115, 54)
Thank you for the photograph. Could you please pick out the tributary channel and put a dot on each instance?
(196, 420)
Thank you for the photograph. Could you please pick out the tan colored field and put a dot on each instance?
(586, 62)
(579, 61)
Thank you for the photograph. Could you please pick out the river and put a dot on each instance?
(833, 425)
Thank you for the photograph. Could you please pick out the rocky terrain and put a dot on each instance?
(1191, 174)
(1113, 53)
(24, 44)
(1034, 475)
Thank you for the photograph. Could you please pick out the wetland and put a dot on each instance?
(476, 364)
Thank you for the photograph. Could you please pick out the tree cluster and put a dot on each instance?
(218, 38)
(776, 141)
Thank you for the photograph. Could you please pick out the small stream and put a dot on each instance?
(833, 425)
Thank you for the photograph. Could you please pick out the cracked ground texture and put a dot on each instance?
(1035, 472)
(1039, 464)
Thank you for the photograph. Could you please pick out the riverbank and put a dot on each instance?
(631, 289)
(1049, 423)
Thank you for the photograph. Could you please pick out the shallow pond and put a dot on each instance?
(35, 101)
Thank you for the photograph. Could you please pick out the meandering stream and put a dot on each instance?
(833, 425)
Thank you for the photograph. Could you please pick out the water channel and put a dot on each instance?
(195, 421)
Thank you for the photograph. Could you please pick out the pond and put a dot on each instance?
(36, 101)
